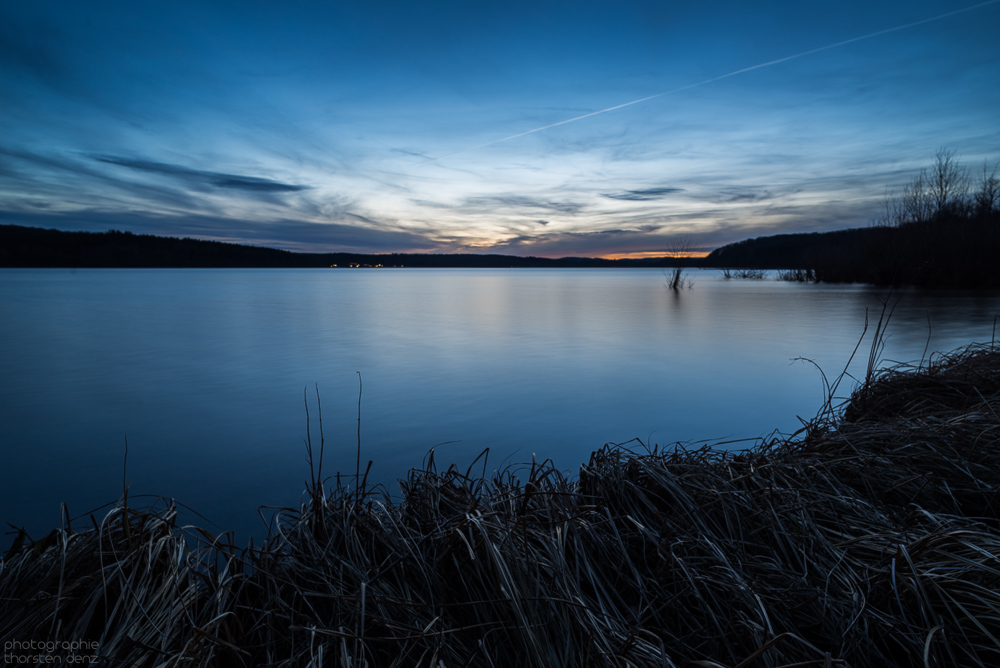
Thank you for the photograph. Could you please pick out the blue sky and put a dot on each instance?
(397, 126)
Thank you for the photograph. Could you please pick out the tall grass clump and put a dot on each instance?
(869, 538)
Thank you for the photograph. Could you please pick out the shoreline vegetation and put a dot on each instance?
(871, 537)
(941, 231)
(35, 247)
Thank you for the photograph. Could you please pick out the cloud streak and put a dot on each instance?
(704, 82)
(643, 195)
(562, 244)
(520, 202)
(213, 179)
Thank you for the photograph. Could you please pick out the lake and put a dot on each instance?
(203, 372)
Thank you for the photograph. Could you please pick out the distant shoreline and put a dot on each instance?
(956, 252)
(37, 247)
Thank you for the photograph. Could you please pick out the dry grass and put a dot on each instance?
(871, 538)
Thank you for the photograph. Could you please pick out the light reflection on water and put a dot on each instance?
(204, 371)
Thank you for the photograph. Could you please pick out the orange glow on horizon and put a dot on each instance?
(641, 255)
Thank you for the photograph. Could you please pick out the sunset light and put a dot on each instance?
(526, 129)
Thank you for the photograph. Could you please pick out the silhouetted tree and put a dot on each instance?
(987, 196)
(947, 185)
(936, 233)
(937, 193)
(916, 202)
(681, 248)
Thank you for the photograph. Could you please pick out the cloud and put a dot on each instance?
(600, 242)
(43, 160)
(214, 179)
(643, 195)
(34, 173)
(740, 194)
(491, 202)
(358, 217)
(306, 236)
(170, 204)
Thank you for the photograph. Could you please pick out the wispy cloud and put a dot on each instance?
(208, 178)
(644, 194)
(734, 73)
(738, 194)
(500, 202)
(73, 183)
(562, 244)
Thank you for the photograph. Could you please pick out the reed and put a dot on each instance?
(869, 538)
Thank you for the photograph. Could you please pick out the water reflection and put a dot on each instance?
(204, 371)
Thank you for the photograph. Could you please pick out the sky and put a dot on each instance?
(528, 128)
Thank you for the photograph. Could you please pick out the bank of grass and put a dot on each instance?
(871, 538)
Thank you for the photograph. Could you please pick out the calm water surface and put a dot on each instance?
(203, 371)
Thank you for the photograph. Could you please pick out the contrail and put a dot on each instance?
(713, 79)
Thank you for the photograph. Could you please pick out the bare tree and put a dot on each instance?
(947, 184)
(888, 216)
(937, 192)
(680, 248)
(987, 197)
(913, 205)
(917, 202)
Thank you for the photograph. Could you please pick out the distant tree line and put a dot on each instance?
(36, 247)
(942, 230)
